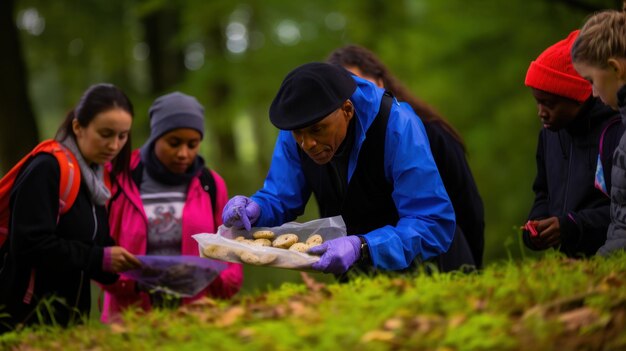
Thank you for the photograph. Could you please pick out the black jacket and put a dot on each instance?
(60, 258)
(616, 234)
(462, 190)
(366, 203)
(564, 186)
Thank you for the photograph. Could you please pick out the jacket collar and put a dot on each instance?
(592, 113)
(366, 101)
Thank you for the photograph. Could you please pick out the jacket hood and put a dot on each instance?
(366, 100)
(592, 113)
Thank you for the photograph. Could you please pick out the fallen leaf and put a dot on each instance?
(478, 304)
(118, 328)
(457, 320)
(400, 285)
(311, 283)
(611, 281)
(202, 302)
(578, 318)
(247, 333)
(298, 309)
(230, 316)
(425, 324)
(393, 324)
(377, 335)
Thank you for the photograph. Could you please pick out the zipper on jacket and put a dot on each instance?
(569, 170)
(80, 287)
(82, 272)
(4, 261)
(558, 134)
(95, 222)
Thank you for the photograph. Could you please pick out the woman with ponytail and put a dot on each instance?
(599, 55)
(51, 254)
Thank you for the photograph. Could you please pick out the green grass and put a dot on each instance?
(539, 304)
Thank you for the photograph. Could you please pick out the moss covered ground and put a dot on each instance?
(545, 303)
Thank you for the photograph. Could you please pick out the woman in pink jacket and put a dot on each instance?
(166, 199)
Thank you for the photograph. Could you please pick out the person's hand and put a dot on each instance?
(531, 228)
(240, 212)
(548, 233)
(337, 254)
(117, 259)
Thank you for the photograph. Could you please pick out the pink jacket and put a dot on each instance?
(128, 223)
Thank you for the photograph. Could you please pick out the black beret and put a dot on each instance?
(309, 93)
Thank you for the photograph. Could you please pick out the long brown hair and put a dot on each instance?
(367, 62)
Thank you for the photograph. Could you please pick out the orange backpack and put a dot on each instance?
(68, 187)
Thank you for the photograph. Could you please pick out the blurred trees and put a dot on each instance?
(18, 131)
(467, 59)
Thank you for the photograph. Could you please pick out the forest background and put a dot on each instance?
(468, 59)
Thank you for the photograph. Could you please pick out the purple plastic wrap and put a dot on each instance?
(181, 276)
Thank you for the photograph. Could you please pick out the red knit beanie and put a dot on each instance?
(553, 72)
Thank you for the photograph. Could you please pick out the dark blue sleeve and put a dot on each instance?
(539, 209)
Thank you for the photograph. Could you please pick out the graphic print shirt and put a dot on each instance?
(163, 205)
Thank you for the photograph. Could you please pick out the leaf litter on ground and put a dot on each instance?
(538, 304)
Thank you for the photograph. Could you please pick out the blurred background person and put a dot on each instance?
(448, 151)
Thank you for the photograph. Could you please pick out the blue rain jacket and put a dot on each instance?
(427, 222)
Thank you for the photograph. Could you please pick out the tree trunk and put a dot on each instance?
(166, 57)
(219, 92)
(18, 129)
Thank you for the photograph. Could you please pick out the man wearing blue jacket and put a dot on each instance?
(364, 157)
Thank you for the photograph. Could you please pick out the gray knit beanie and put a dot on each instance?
(173, 111)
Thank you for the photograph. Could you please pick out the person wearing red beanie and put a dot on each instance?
(553, 72)
(575, 147)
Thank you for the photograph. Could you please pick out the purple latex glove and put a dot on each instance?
(241, 212)
(337, 254)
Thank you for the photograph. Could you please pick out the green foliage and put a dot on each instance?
(537, 304)
(286, 291)
(468, 60)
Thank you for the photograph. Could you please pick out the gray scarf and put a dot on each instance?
(93, 176)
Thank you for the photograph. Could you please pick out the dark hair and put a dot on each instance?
(96, 99)
(370, 65)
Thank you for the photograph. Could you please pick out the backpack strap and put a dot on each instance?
(70, 178)
(604, 163)
(137, 174)
(68, 186)
(612, 121)
(208, 184)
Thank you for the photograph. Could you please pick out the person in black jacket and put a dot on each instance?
(48, 259)
(599, 55)
(574, 157)
(448, 151)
